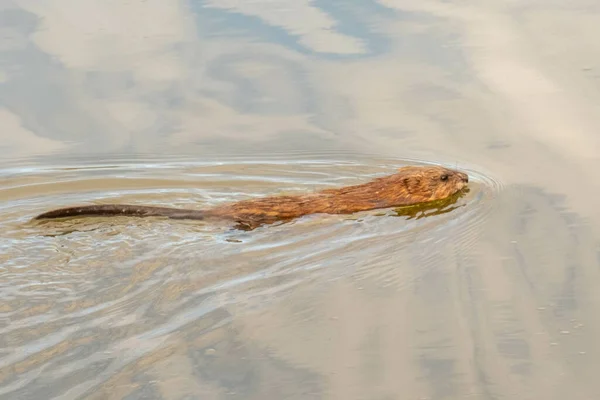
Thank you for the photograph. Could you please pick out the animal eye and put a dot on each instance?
(444, 177)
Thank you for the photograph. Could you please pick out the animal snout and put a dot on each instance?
(464, 178)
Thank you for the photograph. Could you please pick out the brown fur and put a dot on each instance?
(410, 185)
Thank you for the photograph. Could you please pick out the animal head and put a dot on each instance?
(432, 182)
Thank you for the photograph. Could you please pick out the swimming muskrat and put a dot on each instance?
(408, 186)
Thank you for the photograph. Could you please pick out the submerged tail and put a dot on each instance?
(101, 210)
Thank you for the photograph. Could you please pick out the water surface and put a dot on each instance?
(192, 104)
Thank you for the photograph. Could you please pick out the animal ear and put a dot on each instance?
(406, 182)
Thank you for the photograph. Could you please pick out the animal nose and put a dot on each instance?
(465, 178)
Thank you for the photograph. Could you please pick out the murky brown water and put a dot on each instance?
(190, 104)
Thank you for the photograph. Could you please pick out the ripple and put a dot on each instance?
(128, 280)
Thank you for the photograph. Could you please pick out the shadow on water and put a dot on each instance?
(432, 208)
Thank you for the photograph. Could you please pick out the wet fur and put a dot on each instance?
(410, 185)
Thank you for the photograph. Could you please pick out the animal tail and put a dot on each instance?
(101, 210)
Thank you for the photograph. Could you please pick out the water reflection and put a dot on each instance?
(195, 103)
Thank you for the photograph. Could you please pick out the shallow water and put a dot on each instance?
(192, 104)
